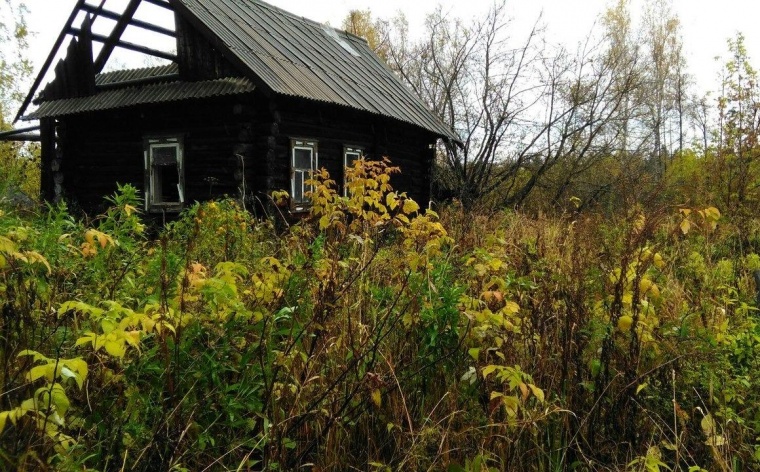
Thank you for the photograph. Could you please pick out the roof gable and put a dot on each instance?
(280, 52)
(298, 57)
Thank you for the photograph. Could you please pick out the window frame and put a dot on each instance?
(349, 149)
(152, 176)
(311, 145)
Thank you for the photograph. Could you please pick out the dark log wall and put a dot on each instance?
(106, 148)
(197, 58)
(334, 127)
(240, 142)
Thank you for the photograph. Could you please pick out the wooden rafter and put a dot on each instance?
(113, 40)
(112, 15)
(131, 46)
(115, 36)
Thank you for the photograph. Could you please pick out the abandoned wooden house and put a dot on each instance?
(253, 99)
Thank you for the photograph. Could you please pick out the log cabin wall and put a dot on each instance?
(196, 56)
(221, 149)
(334, 127)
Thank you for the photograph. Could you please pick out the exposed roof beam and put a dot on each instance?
(49, 60)
(112, 15)
(26, 137)
(21, 134)
(114, 37)
(131, 46)
(161, 3)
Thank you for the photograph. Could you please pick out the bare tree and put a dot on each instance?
(520, 110)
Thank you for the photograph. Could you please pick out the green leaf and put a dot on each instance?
(474, 353)
(60, 400)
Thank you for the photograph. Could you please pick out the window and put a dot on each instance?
(303, 163)
(164, 174)
(350, 155)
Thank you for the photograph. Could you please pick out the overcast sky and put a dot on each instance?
(706, 24)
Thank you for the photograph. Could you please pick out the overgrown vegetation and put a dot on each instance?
(609, 324)
(377, 336)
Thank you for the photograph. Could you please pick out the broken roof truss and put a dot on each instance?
(80, 26)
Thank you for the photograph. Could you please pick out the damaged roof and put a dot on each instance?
(278, 51)
(298, 57)
(142, 95)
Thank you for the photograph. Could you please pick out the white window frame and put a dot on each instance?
(350, 150)
(153, 201)
(303, 145)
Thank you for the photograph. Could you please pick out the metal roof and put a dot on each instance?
(147, 94)
(299, 57)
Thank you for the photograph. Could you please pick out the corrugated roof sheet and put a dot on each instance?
(120, 76)
(298, 57)
(147, 94)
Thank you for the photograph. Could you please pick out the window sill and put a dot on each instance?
(165, 208)
(300, 208)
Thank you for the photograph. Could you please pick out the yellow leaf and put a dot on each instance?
(685, 226)
(41, 371)
(511, 308)
(537, 392)
(116, 348)
(377, 398)
(708, 425)
(133, 338)
(488, 370)
(641, 387)
(324, 222)
(524, 390)
(712, 213)
(624, 323)
(35, 355)
(659, 262)
(79, 366)
(391, 200)
(410, 206)
(3, 419)
(88, 337)
(496, 395)
(511, 403)
(34, 256)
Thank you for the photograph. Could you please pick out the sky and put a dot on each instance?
(706, 24)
